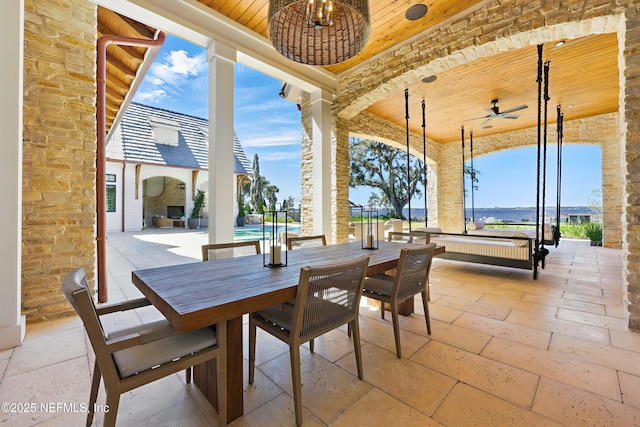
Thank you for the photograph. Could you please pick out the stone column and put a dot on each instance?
(630, 124)
(449, 206)
(221, 59)
(12, 324)
(306, 169)
(612, 183)
(341, 173)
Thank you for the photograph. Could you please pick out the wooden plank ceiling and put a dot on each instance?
(584, 72)
(122, 62)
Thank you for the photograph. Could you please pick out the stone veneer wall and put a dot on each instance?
(58, 151)
(341, 173)
(306, 180)
(630, 109)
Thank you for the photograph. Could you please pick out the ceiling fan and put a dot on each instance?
(494, 112)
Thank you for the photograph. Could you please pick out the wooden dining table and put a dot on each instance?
(200, 294)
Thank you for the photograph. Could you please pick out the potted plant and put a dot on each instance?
(196, 212)
(241, 212)
(593, 231)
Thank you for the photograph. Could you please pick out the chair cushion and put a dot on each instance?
(282, 318)
(378, 284)
(140, 358)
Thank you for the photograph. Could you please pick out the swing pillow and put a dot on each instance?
(520, 242)
(476, 225)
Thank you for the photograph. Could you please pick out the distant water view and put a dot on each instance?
(510, 214)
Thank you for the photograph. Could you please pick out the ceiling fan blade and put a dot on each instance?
(510, 117)
(477, 118)
(491, 111)
(521, 107)
(487, 121)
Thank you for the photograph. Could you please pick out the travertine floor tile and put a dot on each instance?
(572, 406)
(481, 308)
(444, 314)
(379, 409)
(279, 412)
(456, 336)
(521, 305)
(599, 354)
(380, 332)
(515, 332)
(562, 367)
(65, 383)
(566, 327)
(468, 406)
(592, 319)
(565, 303)
(45, 350)
(504, 381)
(421, 388)
(630, 389)
(625, 339)
(329, 390)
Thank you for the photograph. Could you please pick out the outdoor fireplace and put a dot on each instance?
(175, 212)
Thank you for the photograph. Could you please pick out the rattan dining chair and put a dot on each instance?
(230, 250)
(411, 278)
(306, 241)
(327, 297)
(129, 358)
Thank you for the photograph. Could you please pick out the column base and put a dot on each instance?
(12, 336)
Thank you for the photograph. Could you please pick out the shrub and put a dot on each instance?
(593, 231)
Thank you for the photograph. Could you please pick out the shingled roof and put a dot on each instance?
(137, 143)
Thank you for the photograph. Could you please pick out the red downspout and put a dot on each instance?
(101, 196)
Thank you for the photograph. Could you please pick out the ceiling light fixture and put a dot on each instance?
(319, 32)
(416, 12)
(560, 43)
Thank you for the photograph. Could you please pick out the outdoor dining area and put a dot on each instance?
(501, 347)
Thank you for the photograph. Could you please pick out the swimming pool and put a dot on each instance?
(242, 234)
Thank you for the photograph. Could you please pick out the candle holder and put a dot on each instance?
(369, 228)
(272, 239)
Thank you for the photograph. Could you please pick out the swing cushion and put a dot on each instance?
(520, 242)
(434, 231)
(476, 225)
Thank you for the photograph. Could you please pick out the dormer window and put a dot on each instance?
(165, 131)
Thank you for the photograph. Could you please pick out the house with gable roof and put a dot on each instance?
(156, 161)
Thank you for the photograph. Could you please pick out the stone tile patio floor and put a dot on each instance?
(505, 350)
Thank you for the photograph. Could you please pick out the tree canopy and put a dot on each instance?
(378, 165)
(261, 191)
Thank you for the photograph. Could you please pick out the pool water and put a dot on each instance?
(242, 234)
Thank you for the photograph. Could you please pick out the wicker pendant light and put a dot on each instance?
(319, 32)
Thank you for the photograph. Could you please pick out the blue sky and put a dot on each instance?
(270, 127)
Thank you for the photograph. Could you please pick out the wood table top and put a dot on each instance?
(199, 294)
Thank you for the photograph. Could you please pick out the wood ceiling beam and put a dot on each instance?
(140, 30)
(115, 63)
(133, 53)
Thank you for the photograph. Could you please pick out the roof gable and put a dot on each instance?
(190, 149)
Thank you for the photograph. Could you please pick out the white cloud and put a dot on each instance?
(152, 95)
(157, 82)
(286, 137)
(278, 156)
(177, 66)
